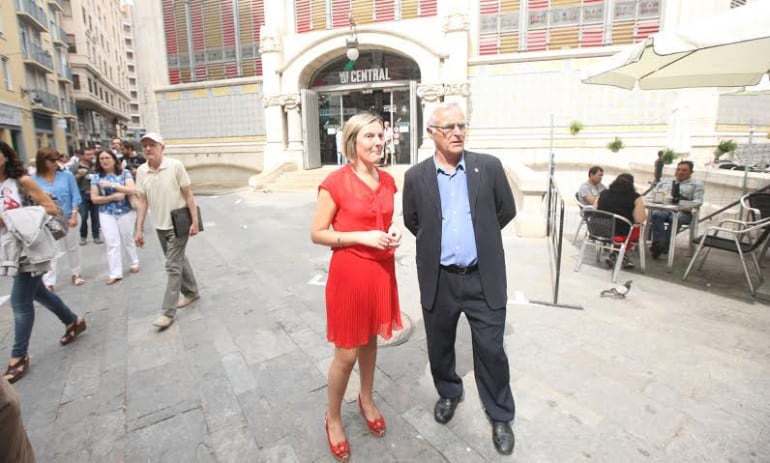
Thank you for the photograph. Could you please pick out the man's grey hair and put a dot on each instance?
(443, 107)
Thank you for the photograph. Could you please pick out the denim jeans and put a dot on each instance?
(26, 289)
(659, 221)
(180, 275)
(87, 208)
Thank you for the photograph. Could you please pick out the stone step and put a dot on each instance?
(308, 180)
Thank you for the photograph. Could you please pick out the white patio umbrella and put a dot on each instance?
(731, 49)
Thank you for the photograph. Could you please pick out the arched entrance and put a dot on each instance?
(378, 82)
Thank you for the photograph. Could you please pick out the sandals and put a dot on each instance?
(77, 281)
(16, 371)
(341, 450)
(113, 281)
(73, 331)
(377, 426)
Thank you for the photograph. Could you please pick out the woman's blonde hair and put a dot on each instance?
(351, 129)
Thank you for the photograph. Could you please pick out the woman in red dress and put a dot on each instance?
(354, 216)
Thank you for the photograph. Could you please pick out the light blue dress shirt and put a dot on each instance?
(458, 241)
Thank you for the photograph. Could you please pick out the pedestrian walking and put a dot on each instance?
(28, 284)
(111, 186)
(354, 217)
(455, 203)
(61, 186)
(82, 172)
(14, 443)
(162, 184)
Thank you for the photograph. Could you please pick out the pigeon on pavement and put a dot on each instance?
(618, 292)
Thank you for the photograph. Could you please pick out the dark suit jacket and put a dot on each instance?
(492, 207)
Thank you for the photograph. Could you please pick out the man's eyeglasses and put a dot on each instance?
(449, 128)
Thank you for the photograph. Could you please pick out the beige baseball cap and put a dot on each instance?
(154, 137)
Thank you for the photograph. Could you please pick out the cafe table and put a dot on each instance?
(676, 210)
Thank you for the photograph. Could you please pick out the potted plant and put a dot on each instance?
(615, 145)
(724, 146)
(575, 127)
(668, 156)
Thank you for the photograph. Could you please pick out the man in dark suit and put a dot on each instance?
(456, 203)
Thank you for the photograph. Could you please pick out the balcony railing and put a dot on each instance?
(36, 53)
(57, 3)
(31, 10)
(44, 98)
(65, 73)
(58, 35)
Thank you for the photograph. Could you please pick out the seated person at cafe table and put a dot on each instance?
(589, 191)
(682, 186)
(622, 199)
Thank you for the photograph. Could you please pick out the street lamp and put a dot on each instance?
(352, 41)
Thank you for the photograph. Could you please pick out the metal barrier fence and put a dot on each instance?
(555, 234)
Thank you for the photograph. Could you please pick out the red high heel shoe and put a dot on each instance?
(341, 450)
(377, 427)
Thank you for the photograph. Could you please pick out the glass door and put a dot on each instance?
(393, 106)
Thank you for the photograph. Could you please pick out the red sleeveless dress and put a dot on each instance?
(361, 291)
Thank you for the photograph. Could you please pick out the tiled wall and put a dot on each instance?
(233, 111)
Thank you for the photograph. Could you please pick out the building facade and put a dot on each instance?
(36, 101)
(97, 52)
(514, 65)
(135, 128)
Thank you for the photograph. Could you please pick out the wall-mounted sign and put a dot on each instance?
(360, 76)
(9, 115)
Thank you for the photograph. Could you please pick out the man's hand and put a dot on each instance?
(73, 221)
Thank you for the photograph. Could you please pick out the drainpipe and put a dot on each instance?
(237, 26)
(190, 53)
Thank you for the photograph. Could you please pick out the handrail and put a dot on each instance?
(734, 203)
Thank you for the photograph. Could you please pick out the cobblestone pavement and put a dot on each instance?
(675, 372)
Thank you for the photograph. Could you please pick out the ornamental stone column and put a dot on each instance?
(455, 69)
(430, 95)
(269, 47)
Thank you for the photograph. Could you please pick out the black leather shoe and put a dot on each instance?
(445, 409)
(656, 249)
(502, 437)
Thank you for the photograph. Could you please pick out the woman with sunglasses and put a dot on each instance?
(27, 285)
(110, 189)
(63, 189)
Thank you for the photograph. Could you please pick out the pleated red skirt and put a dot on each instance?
(361, 299)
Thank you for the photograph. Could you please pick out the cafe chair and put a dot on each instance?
(582, 207)
(737, 236)
(600, 232)
(757, 207)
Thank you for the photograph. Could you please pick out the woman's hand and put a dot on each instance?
(118, 196)
(376, 239)
(106, 184)
(395, 236)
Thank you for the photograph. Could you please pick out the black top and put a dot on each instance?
(621, 204)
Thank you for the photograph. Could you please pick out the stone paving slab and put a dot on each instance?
(678, 371)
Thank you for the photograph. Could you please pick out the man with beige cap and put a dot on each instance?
(163, 184)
